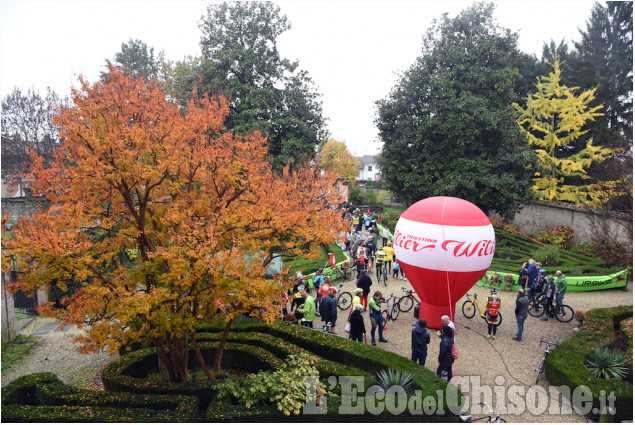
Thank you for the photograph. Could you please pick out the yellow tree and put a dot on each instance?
(164, 218)
(553, 119)
(335, 157)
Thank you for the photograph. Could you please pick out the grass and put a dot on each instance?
(13, 354)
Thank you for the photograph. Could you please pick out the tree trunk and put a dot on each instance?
(201, 360)
(221, 346)
(173, 359)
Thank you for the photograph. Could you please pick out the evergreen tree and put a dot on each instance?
(553, 119)
(448, 127)
(606, 62)
(268, 93)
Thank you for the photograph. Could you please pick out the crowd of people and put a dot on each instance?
(362, 242)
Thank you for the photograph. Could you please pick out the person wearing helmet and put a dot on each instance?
(390, 253)
(357, 299)
(328, 310)
(535, 286)
(493, 308)
(550, 292)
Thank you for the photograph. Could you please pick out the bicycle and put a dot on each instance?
(470, 306)
(494, 280)
(343, 299)
(407, 301)
(345, 273)
(541, 369)
(382, 272)
(538, 304)
(490, 420)
(391, 312)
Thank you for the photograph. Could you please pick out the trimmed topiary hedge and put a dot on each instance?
(42, 397)
(128, 373)
(565, 364)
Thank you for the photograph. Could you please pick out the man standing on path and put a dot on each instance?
(522, 309)
(561, 286)
(420, 341)
(390, 253)
(376, 319)
(307, 310)
(364, 282)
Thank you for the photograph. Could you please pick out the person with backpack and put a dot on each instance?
(446, 359)
(328, 310)
(493, 308)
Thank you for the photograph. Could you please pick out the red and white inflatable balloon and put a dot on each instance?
(444, 245)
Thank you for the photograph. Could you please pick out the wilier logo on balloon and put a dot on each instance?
(444, 245)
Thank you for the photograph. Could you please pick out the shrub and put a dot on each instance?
(561, 236)
(565, 364)
(547, 255)
(285, 387)
(605, 363)
(579, 314)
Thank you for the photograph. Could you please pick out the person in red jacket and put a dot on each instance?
(493, 308)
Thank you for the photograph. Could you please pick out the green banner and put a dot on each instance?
(574, 283)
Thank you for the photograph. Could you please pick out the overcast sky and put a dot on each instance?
(353, 50)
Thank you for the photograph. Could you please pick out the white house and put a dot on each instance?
(367, 168)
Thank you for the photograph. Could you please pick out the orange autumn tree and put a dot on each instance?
(164, 217)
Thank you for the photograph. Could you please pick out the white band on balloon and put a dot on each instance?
(444, 248)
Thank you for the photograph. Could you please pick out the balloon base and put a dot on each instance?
(433, 313)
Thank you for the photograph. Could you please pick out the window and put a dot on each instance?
(370, 168)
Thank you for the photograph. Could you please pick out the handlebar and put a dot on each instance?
(403, 288)
(548, 343)
(491, 411)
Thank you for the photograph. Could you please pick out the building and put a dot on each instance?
(367, 168)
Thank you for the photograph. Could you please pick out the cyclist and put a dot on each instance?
(561, 286)
(550, 292)
(380, 259)
(357, 299)
(390, 253)
(493, 308)
(376, 319)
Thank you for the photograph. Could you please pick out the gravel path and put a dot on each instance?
(502, 361)
(509, 360)
(57, 353)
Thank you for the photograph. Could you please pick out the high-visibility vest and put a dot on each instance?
(324, 289)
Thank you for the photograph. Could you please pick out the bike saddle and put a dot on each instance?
(465, 418)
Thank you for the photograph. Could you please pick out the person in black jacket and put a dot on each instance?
(445, 353)
(328, 310)
(358, 330)
(364, 282)
(420, 341)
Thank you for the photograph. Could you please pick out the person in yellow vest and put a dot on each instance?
(357, 299)
(390, 253)
(493, 308)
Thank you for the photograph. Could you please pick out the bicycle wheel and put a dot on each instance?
(344, 300)
(405, 303)
(385, 315)
(500, 319)
(565, 314)
(536, 308)
(385, 276)
(469, 310)
(541, 370)
(394, 313)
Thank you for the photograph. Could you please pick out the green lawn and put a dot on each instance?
(14, 353)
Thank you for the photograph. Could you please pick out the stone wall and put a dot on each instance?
(588, 224)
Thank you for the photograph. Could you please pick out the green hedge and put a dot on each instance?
(128, 373)
(42, 397)
(565, 364)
